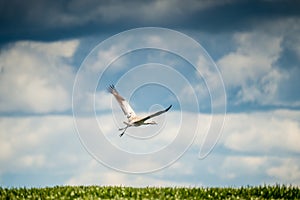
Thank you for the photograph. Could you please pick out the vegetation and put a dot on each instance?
(97, 192)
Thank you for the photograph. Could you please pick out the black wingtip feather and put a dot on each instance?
(110, 88)
(168, 108)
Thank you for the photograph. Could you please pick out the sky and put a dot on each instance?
(229, 68)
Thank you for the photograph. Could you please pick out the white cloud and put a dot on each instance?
(97, 101)
(250, 169)
(33, 161)
(286, 171)
(50, 143)
(35, 77)
(52, 49)
(263, 66)
(288, 28)
(263, 148)
(95, 174)
(104, 56)
(29, 143)
(265, 132)
(235, 166)
(252, 68)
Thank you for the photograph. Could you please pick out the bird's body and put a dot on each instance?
(133, 119)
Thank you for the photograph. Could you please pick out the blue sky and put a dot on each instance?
(46, 45)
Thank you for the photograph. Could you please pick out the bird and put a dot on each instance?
(132, 119)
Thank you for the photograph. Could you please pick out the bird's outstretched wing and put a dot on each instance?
(126, 108)
(155, 114)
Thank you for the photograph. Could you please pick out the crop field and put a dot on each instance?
(97, 192)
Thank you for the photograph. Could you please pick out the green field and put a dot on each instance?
(97, 192)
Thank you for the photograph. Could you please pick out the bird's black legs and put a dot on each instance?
(120, 129)
(122, 134)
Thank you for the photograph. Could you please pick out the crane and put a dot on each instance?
(133, 119)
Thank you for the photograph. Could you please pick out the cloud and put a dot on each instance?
(270, 132)
(254, 164)
(287, 171)
(28, 148)
(249, 169)
(258, 148)
(44, 20)
(255, 54)
(77, 13)
(49, 145)
(261, 66)
(36, 77)
(234, 166)
(95, 174)
(38, 143)
(251, 69)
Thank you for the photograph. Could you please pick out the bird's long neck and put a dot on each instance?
(150, 122)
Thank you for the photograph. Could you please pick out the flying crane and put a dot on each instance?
(133, 119)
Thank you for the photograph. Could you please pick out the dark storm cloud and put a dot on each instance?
(242, 15)
(52, 20)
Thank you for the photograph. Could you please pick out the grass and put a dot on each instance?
(108, 192)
